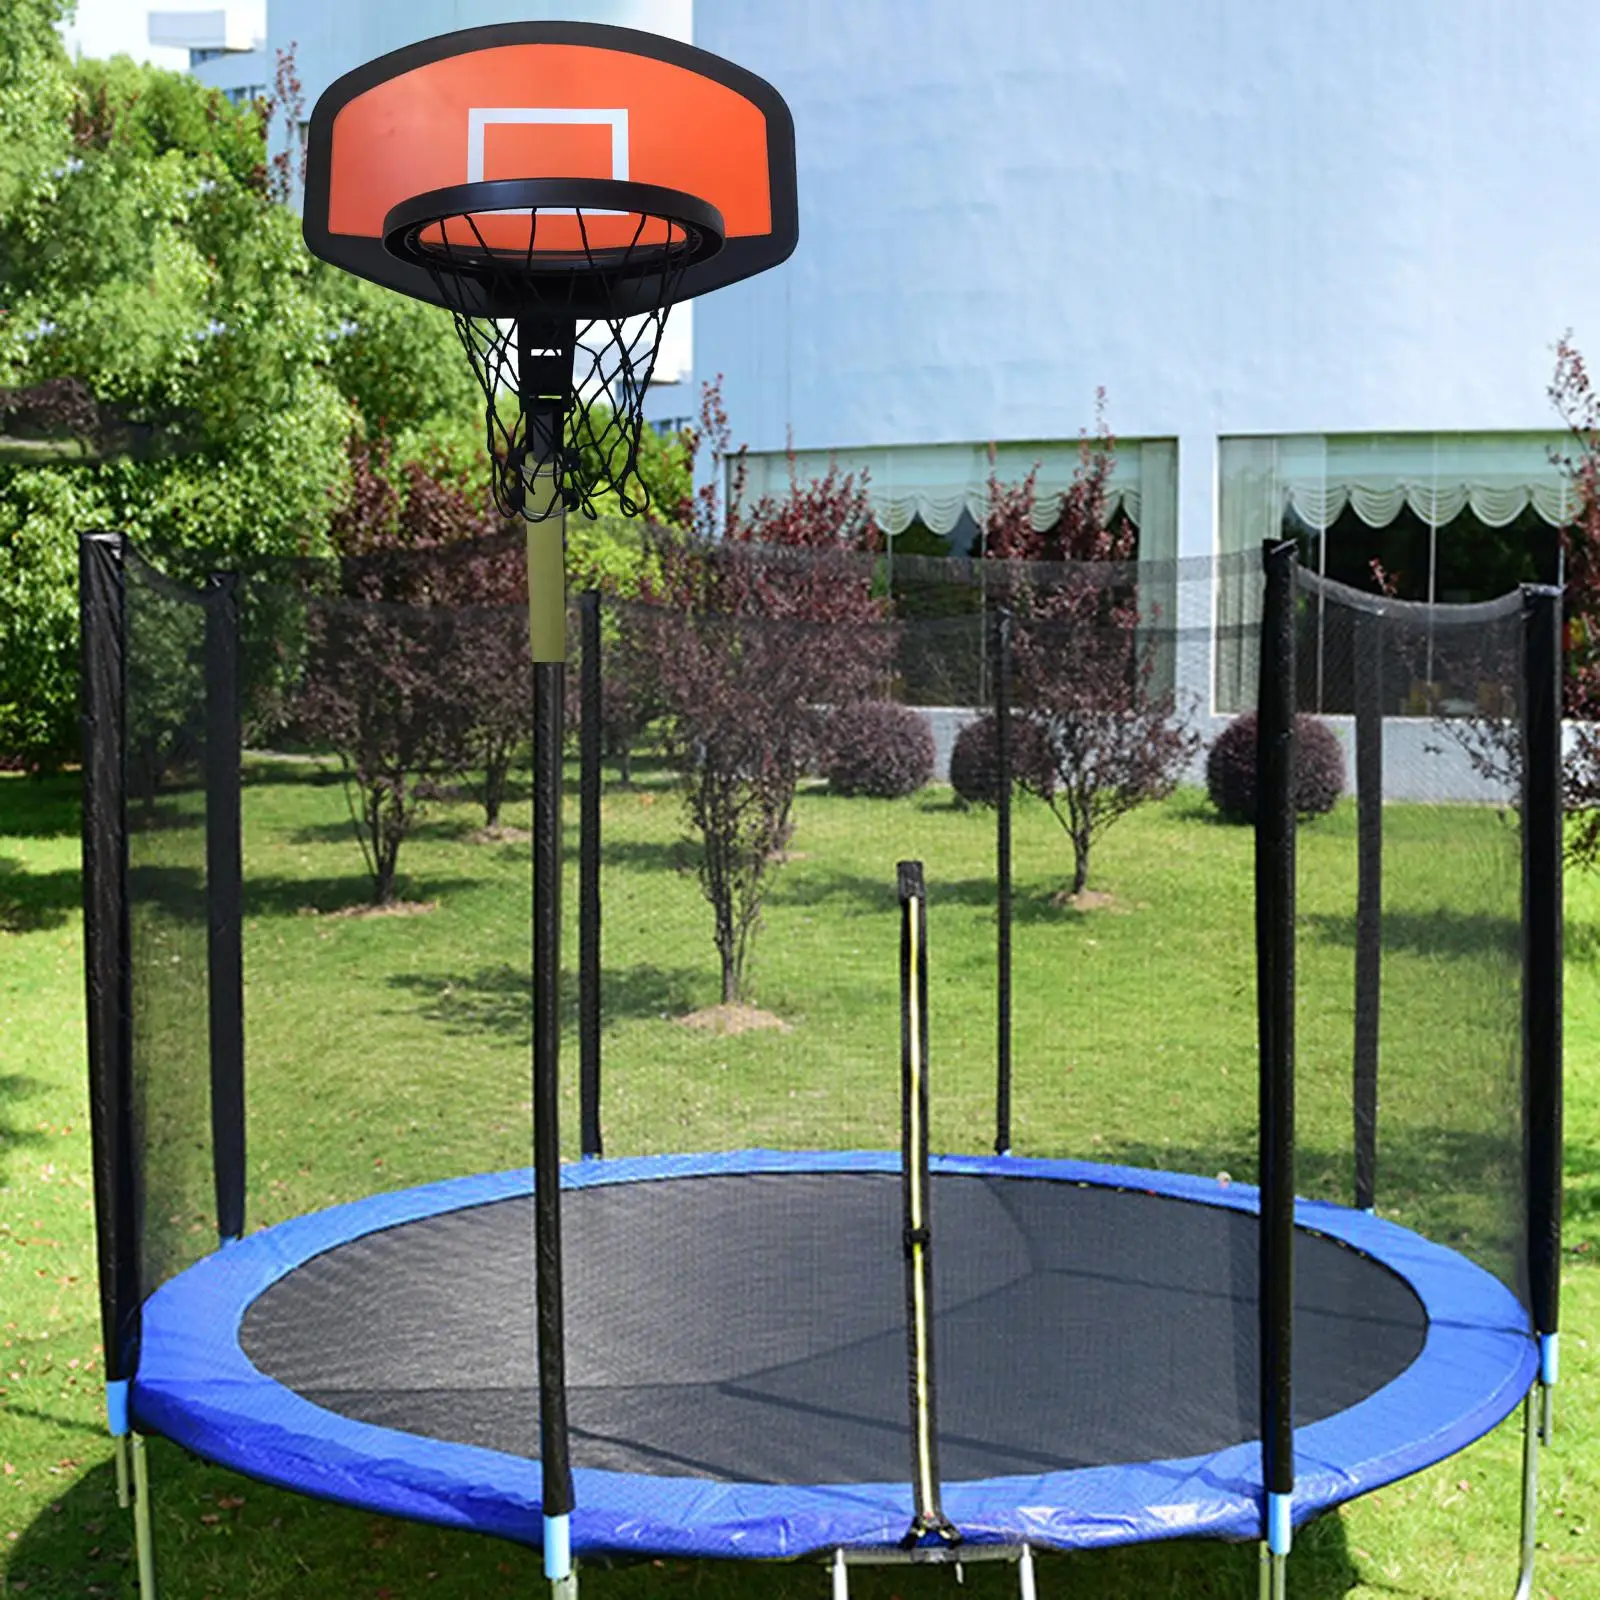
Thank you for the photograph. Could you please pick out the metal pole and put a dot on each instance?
(225, 903)
(1542, 999)
(102, 613)
(589, 876)
(144, 1544)
(1002, 836)
(1542, 845)
(1531, 1441)
(917, 1237)
(841, 1576)
(1368, 646)
(1275, 911)
(1025, 1581)
(544, 375)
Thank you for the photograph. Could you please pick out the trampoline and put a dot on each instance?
(736, 1374)
(822, 1350)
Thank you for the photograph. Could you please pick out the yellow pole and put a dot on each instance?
(547, 570)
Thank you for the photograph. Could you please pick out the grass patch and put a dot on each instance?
(387, 1051)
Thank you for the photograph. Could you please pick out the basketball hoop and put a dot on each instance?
(536, 274)
(556, 186)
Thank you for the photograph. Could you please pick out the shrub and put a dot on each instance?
(974, 761)
(878, 747)
(1231, 768)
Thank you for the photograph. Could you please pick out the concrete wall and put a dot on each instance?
(1239, 216)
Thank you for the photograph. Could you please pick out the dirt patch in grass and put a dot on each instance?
(395, 908)
(1089, 900)
(725, 1019)
(500, 833)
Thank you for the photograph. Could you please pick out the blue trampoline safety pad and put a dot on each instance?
(1474, 1359)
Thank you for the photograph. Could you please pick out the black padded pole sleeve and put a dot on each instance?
(1002, 845)
(225, 902)
(589, 752)
(101, 613)
(917, 1234)
(1542, 947)
(549, 689)
(1275, 830)
(1369, 634)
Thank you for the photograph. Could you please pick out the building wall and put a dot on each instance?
(1337, 216)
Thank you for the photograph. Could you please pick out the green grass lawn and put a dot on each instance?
(387, 1051)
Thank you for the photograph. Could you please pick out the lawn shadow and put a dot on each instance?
(31, 902)
(679, 856)
(40, 808)
(1582, 942)
(268, 896)
(225, 1533)
(219, 1532)
(812, 887)
(1581, 1200)
(1440, 932)
(15, 1088)
(264, 769)
(499, 999)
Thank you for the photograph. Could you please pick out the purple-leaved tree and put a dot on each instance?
(750, 639)
(1085, 667)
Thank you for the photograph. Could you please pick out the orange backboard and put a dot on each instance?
(549, 100)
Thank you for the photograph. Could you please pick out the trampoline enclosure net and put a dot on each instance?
(779, 729)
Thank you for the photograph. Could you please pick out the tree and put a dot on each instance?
(749, 641)
(481, 573)
(1111, 740)
(171, 361)
(1574, 397)
(379, 684)
(35, 101)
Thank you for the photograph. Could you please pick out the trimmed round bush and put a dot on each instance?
(1231, 768)
(975, 762)
(877, 748)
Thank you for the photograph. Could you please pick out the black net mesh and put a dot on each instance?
(779, 729)
(164, 773)
(1440, 987)
(601, 365)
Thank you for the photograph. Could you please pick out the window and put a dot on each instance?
(1448, 517)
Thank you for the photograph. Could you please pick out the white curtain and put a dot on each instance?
(1437, 476)
(936, 483)
(1496, 476)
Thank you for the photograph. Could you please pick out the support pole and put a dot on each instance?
(1369, 635)
(1542, 998)
(1026, 1589)
(928, 1519)
(544, 373)
(102, 614)
(1275, 911)
(144, 1543)
(1531, 1440)
(1002, 839)
(225, 903)
(589, 875)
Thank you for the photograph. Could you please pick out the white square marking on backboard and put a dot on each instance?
(480, 117)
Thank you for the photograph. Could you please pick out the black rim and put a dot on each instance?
(696, 228)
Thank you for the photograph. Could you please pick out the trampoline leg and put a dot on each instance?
(1274, 1574)
(841, 1576)
(119, 1458)
(1025, 1588)
(565, 1588)
(1535, 1430)
(143, 1542)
